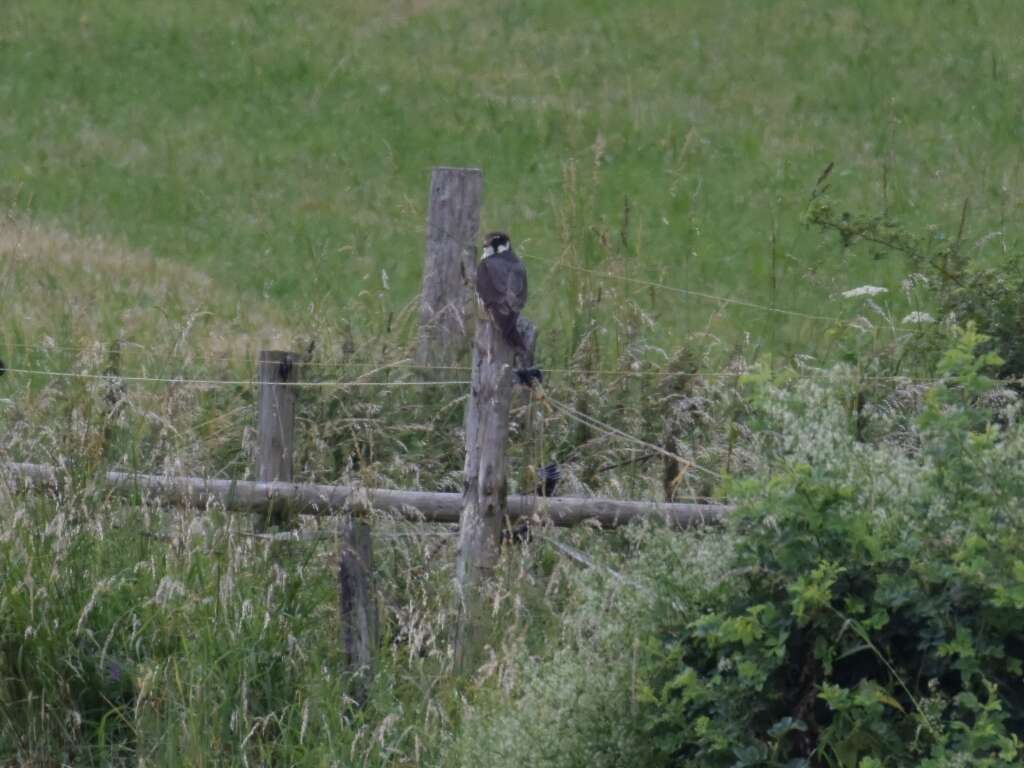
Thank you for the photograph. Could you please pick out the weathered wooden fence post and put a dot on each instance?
(275, 427)
(485, 494)
(357, 602)
(449, 270)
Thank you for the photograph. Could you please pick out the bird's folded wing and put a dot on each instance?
(515, 288)
(486, 283)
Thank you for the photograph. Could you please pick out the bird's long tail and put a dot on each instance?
(508, 325)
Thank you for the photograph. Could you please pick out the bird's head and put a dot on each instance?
(496, 242)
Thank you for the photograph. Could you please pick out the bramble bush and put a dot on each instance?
(861, 608)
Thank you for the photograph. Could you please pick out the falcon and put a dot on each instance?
(501, 286)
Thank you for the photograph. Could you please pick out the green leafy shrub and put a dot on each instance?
(862, 607)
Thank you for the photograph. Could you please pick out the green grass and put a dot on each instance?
(284, 148)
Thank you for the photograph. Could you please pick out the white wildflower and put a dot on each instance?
(863, 290)
(912, 281)
(918, 318)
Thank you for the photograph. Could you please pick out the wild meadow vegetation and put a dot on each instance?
(710, 198)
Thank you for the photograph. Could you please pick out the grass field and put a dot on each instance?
(284, 149)
(197, 181)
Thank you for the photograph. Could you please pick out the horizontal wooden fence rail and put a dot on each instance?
(321, 499)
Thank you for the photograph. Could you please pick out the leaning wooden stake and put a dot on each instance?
(485, 493)
(446, 298)
(277, 373)
(357, 602)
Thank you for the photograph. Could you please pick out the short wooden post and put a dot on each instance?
(360, 629)
(449, 271)
(485, 493)
(277, 373)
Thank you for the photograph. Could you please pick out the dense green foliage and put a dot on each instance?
(862, 609)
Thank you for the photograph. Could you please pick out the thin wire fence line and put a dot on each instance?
(128, 349)
(135, 347)
(406, 362)
(132, 349)
(401, 363)
(713, 297)
(114, 377)
(819, 372)
(233, 382)
(608, 429)
(700, 294)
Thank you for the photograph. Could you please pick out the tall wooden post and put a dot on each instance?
(360, 631)
(449, 271)
(484, 503)
(276, 422)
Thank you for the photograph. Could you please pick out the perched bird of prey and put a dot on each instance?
(501, 286)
